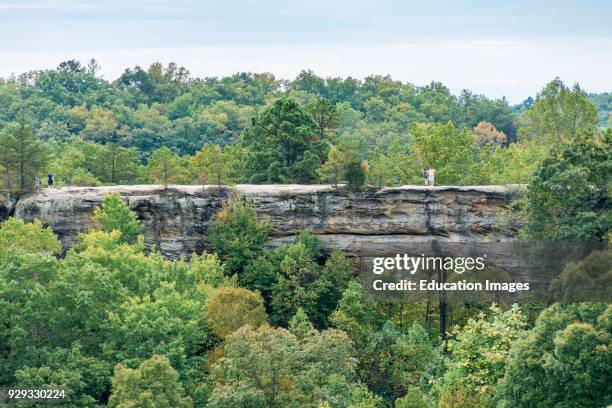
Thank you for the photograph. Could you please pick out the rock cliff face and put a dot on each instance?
(363, 224)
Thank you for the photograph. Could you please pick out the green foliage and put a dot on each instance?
(208, 165)
(296, 285)
(414, 398)
(395, 167)
(392, 361)
(477, 355)
(84, 379)
(563, 361)
(100, 125)
(588, 279)
(355, 175)
(454, 155)
(289, 278)
(603, 103)
(237, 235)
(164, 167)
(203, 270)
(101, 133)
(212, 164)
(230, 308)
(127, 263)
(22, 156)
(67, 321)
(272, 367)
(282, 146)
(568, 196)
(183, 331)
(153, 384)
(381, 170)
(119, 164)
(334, 278)
(115, 215)
(357, 315)
(338, 157)
(300, 326)
(512, 165)
(32, 238)
(325, 116)
(262, 273)
(23, 278)
(82, 163)
(558, 114)
(167, 323)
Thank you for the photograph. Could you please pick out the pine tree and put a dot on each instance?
(283, 145)
(23, 156)
(355, 175)
(164, 166)
(338, 157)
(324, 114)
(209, 164)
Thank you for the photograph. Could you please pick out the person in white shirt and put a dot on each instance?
(431, 174)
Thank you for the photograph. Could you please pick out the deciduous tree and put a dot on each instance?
(486, 134)
(563, 360)
(114, 214)
(237, 235)
(230, 308)
(568, 197)
(153, 384)
(558, 114)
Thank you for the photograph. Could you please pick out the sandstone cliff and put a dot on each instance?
(363, 224)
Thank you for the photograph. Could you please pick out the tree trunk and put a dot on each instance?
(113, 165)
(442, 303)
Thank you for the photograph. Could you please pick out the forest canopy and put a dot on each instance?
(249, 324)
(162, 125)
(257, 326)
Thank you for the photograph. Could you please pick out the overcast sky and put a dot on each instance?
(499, 48)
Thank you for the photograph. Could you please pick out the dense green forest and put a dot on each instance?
(161, 125)
(250, 325)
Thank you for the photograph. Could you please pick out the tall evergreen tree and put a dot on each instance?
(23, 156)
(284, 146)
(324, 114)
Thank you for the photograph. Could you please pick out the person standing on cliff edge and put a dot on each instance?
(50, 180)
(431, 174)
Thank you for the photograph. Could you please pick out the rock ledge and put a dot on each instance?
(369, 223)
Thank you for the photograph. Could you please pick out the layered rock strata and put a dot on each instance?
(364, 224)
